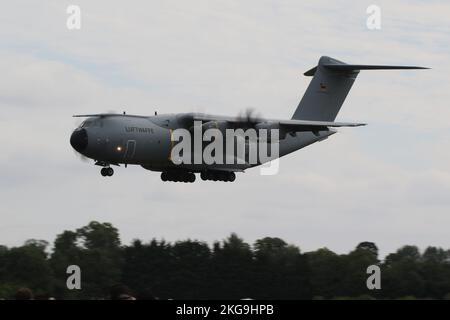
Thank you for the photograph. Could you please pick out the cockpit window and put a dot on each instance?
(86, 123)
(91, 123)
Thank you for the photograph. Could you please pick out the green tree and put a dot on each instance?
(6, 288)
(354, 276)
(281, 271)
(401, 274)
(370, 247)
(66, 252)
(191, 262)
(231, 271)
(27, 266)
(96, 249)
(435, 271)
(148, 268)
(100, 258)
(327, 269)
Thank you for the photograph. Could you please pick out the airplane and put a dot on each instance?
(115, 139)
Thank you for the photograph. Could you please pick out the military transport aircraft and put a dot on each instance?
(114, 139)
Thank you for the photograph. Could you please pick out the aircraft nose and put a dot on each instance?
(79, 139)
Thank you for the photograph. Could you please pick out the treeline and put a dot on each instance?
(230, 269)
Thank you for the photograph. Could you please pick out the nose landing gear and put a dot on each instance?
(107, 172)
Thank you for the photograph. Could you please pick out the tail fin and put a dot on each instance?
(332, 80)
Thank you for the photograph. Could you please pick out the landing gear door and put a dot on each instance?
(131, 149)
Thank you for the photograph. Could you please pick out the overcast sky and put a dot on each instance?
(388, 182)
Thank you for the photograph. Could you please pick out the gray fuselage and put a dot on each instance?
(147, 141)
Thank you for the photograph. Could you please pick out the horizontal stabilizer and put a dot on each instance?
(353, 67)
(337, 65)
(320, 123)
(313, 126)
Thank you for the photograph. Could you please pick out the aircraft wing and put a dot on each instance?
(104, 115)
(208, 117)
(101, 115)
(289, 125)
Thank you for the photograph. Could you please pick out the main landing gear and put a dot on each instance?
(185, 176)
(175, 176)
(218, 176)
(107, 171)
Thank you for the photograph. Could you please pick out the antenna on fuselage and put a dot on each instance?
(124, 112)
(156, 113)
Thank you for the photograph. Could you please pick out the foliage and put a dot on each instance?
(230, 269)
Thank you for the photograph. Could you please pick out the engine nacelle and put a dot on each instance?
(221, 125)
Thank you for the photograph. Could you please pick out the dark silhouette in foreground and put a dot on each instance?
(24, 294)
